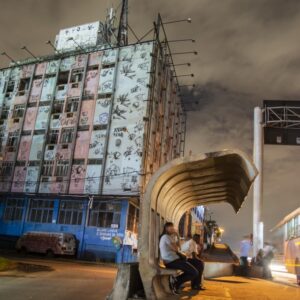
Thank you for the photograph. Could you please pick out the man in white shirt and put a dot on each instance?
(168, 252)
(245, 247)
(190, 249)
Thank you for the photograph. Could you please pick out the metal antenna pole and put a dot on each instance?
(123, 25)
(258, 183)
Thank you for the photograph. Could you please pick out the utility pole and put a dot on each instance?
(123, 25)
(258, 183)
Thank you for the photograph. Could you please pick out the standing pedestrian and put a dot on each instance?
(245, 247)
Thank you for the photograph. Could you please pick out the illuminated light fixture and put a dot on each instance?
(9, 57)
(189, 20)
(28, 51)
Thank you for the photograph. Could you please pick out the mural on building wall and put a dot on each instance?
(82, 145)
(109, 57)
(24, 148)
(52, 67)
(40, 69)
(106, 80)
(36, 150)
(19, 179)
(102, 110)
(92, 179)
(86, 113)
(67, 63)
(125, 148)
(26, 71)
(97, 143)
(95, 58)
(42, 118)
(31, 179)
(77, 179)
(91, 80)
(48, 88)
(30, 117)
(36, 90)
(50, 152)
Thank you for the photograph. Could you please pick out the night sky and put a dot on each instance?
(249, 50)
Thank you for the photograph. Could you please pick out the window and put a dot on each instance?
(105, 214)
(62, 168)
(53, 136)
(63, 78)
(4, 112)
(6, 169)
(70, 212)
(77, 75)
(40, 211)
(58, 107)
(47, 169)
(10, 87)
(24, 84)
(72, 105)
(18, 111)
(66, 135)
(13, 210)
(12, 141)
(133, 218)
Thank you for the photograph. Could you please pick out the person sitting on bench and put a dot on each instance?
(173, 259)
(190, 249)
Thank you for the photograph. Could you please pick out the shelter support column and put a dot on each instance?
(258, 183)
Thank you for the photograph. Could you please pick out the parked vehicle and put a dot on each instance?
(50, 243)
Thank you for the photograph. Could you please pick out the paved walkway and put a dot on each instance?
(238, 288)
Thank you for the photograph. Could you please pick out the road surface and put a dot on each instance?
(67, 281)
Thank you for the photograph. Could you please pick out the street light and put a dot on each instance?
(188, 52)
(52, 46)
(9, 57)
(26, 49)
(189, 20)
(183, 40)
(185, 75)
(177, 65)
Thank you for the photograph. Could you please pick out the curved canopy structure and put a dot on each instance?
(183, 183)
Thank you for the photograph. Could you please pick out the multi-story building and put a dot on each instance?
(81, 132)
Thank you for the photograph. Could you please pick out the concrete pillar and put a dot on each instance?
(258, 183)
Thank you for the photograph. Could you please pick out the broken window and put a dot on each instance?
(10, 87)
(58, 107)
(12, 141)
(4, 112)
(63, 78)
(6, 168)
(24, 84)
(47, 169)
(62, 168)
(53, 136)
(19, 111)
(72, 105)
(77, 75)
(67, 135)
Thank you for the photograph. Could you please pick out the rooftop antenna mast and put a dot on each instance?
(123, 25)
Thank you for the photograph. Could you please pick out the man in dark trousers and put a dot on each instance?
(190, 249)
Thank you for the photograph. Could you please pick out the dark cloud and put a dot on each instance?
(248, 51)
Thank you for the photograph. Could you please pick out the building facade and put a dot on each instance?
(81, 132)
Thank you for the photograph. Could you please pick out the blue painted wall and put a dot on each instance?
(95, 243)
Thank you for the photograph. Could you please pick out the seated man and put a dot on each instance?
(190, 249)
(169, 253)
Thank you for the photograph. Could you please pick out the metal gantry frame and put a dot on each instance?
(282, 117)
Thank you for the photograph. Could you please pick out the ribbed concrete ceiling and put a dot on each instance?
(184, 183)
